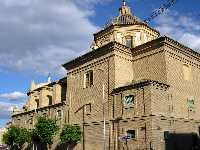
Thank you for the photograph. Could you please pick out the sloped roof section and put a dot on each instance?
(126, 19)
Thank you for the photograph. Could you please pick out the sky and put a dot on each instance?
(37, 36)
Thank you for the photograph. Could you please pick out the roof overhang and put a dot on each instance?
(159, 42)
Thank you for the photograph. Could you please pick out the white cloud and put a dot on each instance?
(184, 29)
(39, 36)
(13, 96)
(5, 110)
(191, 39)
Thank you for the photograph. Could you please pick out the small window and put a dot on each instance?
(187, 72)
(131, 134)
(50, 99)
(88, 79)
(31, 120)
(44, 115)
(129, 101)
(37, 103)
(59, 114)
(88, 109)
(129, 41)
(191, 103)
(166, 135)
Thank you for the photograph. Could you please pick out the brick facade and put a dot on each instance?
(160, 74)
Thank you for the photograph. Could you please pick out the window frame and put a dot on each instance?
(59, 114)
(127, 106)
(37, 103)
(130, 43)
(50, 100)
(191, 103)
(129, 133)
(88, 79)
(88, 109)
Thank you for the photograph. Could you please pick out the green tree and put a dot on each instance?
(16, 137)
(70, 135)
(45, 130)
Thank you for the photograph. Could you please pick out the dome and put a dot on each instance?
(125, 17)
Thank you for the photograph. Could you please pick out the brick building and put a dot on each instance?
(129, 92)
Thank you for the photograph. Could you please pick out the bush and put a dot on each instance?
(16, 137)
(45, 130)
(70, 134)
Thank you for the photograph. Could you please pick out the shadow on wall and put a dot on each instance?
(39, 146)
(65, 147)
(176, 141)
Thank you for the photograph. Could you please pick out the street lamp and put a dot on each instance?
(104, 119)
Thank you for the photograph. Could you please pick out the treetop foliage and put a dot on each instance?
(45, 130)
(70, 134)
(16, 137)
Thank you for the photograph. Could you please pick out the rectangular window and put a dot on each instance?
(59, 117)
(31, 120)
(131, 134)
(88, 79)
(129, 41)
(191, 103)
(37, 103)
(50, 99)
(129, 101)
(88, 109)
(44, 115)
(59, 114)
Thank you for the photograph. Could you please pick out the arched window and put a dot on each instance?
(129, 41)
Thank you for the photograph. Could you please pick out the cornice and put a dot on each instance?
(181, 48)
(108, 48)
(104, 30)
(60, 81)
(39, 109)
(165, 41)
(151, 45)
(146, 47)
(184, 60)
(86, 67)
(140, 84)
